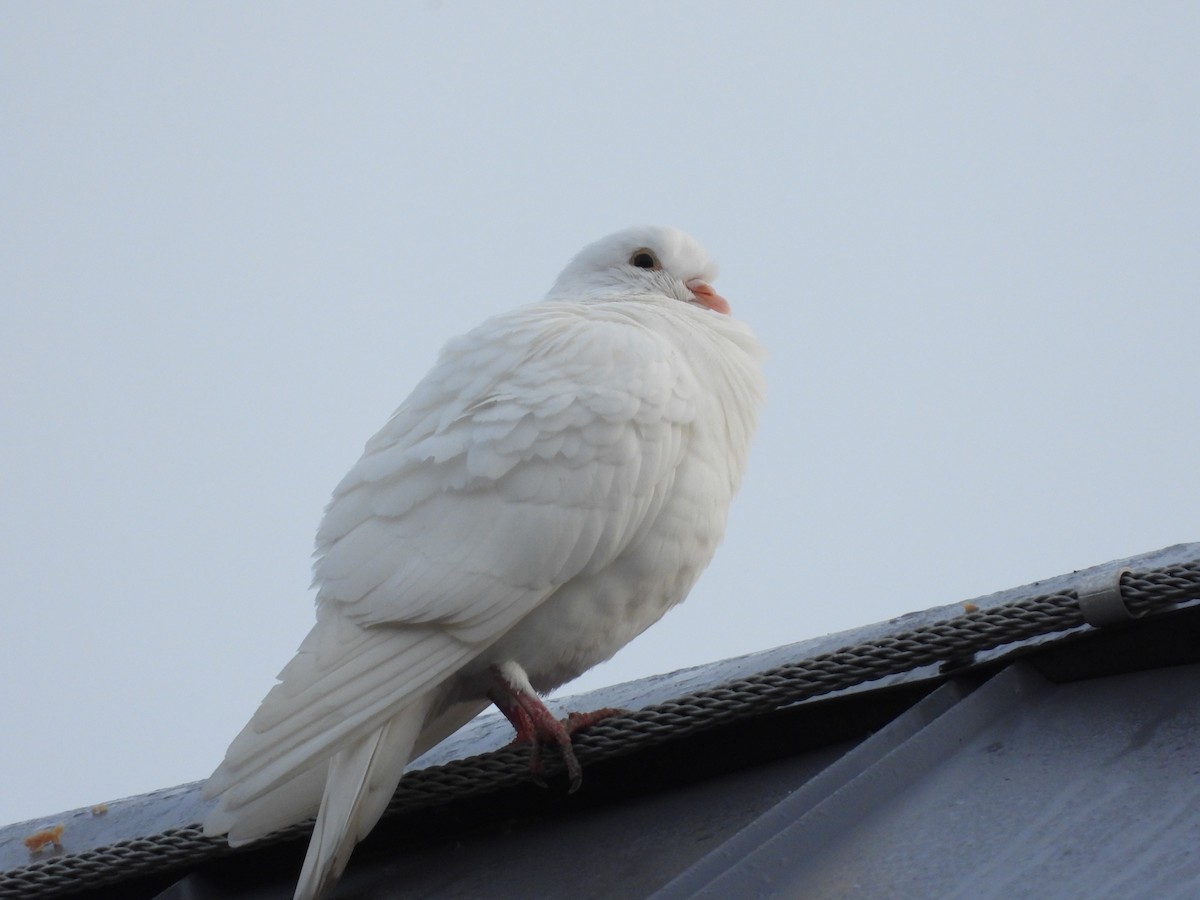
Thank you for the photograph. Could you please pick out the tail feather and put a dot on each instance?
(360, 782)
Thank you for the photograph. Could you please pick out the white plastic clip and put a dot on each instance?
(1100, 599)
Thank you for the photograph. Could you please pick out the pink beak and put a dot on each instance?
(707, 297)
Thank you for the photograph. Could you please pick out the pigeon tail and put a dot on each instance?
(361, 781)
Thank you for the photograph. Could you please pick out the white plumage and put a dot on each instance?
(554, 485)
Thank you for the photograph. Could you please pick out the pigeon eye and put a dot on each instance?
(644, 259)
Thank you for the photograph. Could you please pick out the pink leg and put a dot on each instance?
(526, 731)
(534, 723)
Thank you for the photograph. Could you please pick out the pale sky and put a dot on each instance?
(235, 235)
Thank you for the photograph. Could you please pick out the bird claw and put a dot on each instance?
(561, 736)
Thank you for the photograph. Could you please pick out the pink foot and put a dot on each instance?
(536, 725)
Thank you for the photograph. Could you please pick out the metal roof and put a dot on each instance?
(1060, 765)
(1021, 788)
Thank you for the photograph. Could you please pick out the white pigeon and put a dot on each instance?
(553, 486)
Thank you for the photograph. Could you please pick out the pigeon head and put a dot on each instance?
(650, 259)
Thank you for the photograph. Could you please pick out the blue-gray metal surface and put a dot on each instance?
(1022, 789)
(775, 828)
